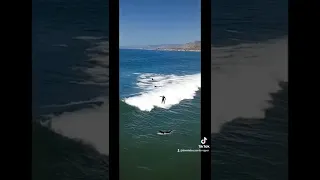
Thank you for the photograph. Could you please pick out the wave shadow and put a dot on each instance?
(253, 148)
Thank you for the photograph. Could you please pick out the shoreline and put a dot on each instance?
(184, 50)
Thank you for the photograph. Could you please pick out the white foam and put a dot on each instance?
(174, 88)
(246, 76)
(164, 134)
(91, 125)
(161, 134)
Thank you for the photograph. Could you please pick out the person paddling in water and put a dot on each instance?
(163, 99)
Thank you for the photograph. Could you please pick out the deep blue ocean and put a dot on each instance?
(71, 80)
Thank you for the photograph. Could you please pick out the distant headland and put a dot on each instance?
(192, 46)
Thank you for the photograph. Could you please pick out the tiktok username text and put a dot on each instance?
(193, 150)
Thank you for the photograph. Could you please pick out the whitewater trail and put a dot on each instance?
(246, 76)
(174, 88)
(90, 125)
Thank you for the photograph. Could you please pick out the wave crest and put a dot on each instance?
(174, 88)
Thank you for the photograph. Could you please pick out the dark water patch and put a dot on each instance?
(248, 21)
(62, 33)
(254, 148)
(64, 17)
(55, 73)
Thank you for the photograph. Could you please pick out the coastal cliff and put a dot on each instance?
(192, 46)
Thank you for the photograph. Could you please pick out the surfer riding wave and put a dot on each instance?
(163, 99)
(171, 88)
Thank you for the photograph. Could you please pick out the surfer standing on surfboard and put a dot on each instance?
(163, 99)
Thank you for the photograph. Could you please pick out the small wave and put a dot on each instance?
(165, 134)
(60, 45)
(89, 38)
(174, 88)
(145, 168)
(95, 100)
(90, 83)
(98, 59)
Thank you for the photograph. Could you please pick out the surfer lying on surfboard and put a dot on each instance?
(164, 132)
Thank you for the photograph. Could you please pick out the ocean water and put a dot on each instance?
(70, 95)
(249, 76)
(70, 89)
(145, 76)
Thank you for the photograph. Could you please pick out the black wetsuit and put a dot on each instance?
(163, 99)
(165, 132)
